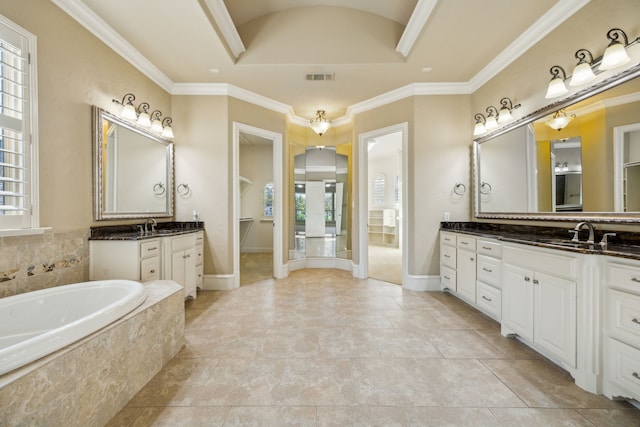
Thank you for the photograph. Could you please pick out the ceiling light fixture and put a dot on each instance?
(559, 120)
(582, 73)
(320, 124)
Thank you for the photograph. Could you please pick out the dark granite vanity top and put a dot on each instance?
(132, 231)
(624, 244)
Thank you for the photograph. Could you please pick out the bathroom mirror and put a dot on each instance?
(527, 170)
(320, 203)
(133, 170)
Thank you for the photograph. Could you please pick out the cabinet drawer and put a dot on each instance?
(199, 277)
(489, 299)
(489, 270)
(182, 243)
(490, 248)
(624, 367)
(624, 277)
(149, 249)
(467, 242)
(150, 269)
(624, 316)
(448, 278)
(448, 239)
(448, 256)
(551, 261)
(199, 255)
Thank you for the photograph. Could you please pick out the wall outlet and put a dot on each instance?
(446, 216)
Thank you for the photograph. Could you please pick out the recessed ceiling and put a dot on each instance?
(372, 47)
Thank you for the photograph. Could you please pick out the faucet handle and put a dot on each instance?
(141, 228)
(575, 235)
(605, 239)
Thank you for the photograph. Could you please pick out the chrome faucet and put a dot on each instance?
(579, 227)
(153, 225)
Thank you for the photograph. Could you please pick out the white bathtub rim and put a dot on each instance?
(82, 327)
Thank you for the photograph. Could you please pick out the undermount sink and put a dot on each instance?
(568, 243)
(165, 232)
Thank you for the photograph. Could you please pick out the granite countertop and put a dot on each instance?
(132, 232)
(624, 244)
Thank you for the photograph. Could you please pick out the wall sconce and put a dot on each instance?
(143, 115)
(582, 73)
(556, 85)
(128, 110)
(505, 111)
(614, 56)
(320, 124)
(616, 53)
(492, 118)
(167, 131)
(479, 128)
(559, 120)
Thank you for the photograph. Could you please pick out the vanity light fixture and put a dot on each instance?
(128, 109)
(505, 111)
(167, 131)
(616, 53)
(556, 85)
(143, 115)
(582, 73)
(320, 124)
(479, 128)
(156, 123)
(492, 118)
(560, 120)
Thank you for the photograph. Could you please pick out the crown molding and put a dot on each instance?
(220, 14)
(416, 23)
(99, 28)
(555, 16)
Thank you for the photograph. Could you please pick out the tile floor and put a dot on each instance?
(385, 263)
(323, 349)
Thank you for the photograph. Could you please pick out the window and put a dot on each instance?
(268, 200)
(18, 183)
(378, 190)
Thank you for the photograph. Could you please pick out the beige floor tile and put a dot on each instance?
(542, 384)
(342, 343)
(294, 343)
(510, 347)
(537, 417)
(462, 343)
(401, 343)
(181, 416)
(281, 416)
(452, 417)
(625, 417)
(315, 381)
(412, 320)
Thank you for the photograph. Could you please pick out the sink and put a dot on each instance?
(165, 232)
(568, 243)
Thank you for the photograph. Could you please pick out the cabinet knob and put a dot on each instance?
(535, 281)
(527, 279)
(635, 375)
(636, 321)
(152, 271)
(471, 259)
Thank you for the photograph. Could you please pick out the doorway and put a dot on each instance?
(383, 201)
(257, 204)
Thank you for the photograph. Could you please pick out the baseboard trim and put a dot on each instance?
(422, 283)
(337, 263)
(218, 282)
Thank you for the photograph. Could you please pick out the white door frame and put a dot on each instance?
(618, 163)
(278, 199)
(363, 196)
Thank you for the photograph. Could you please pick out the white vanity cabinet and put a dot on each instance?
(180, 255)
(622, 329)
(539, 299)
(448, 278)
(124, 259)
(199, 259)
(466, 268)
(489, 277)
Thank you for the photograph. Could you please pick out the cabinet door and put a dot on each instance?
(178, 268)
(555, 316)
(466, 275)
(190, 273)
(517, 300)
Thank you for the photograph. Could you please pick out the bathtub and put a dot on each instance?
(38, 323)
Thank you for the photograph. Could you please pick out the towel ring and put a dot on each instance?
(159, 189)
(459, 188)
(183, 189)
(485, 188)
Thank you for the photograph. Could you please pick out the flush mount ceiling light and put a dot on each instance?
(320, 124)
(505, 110)
(559, 120)
(556, 85)
(582, 73)
(128, 109)
(479, 128)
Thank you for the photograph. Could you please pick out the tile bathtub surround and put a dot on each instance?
(88, 382)
(321, 348)
(31, 263)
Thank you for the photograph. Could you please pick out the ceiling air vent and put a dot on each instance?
(320, 76)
